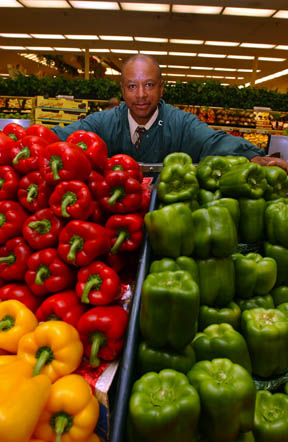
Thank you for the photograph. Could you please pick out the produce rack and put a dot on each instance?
(62, 111)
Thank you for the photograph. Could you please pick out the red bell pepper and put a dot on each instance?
(15, 131)
(119, 193)
(126, 163)
(25, 153)
(64, 161)
(80, 242)
(102, 331)
(41, 230)
(6, 144)
(22, 293)
(94, 179)
(71, 199)
(33, 192)
(9, 180)
(13, 259)
(12, 217)
(47, 273)
(96, 214)
(98, 284)
(63, 306)
(41, 131)
(125, 231)
(94, 147)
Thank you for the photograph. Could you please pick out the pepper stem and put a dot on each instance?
(82, 145)
(6, 323)
(13, 137)
(68, 199)
(93, 282)
(56, 164)
(98, 340)
(42, 226)
(10, 259)
(121, 237)
(2, 219)
(32, 192)
(41, 275)
(44, 356)
(24, 153)
(60, 424)
(76, 243)
(1, 183)
(116, 194)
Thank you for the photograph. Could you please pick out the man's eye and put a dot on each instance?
(149, 84)
(131, 86)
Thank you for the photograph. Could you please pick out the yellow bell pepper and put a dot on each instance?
(71, 413)
(54, 348)
(22, 400)
(15, 321)
(92, 438)
(7, 359)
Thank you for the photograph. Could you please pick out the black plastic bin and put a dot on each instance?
(126, 370)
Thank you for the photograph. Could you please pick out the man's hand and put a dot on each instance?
(271, 161)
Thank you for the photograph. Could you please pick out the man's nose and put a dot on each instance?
(141, 91)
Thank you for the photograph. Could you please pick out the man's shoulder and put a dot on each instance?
(173, 112)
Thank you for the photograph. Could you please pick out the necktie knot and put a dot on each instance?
(140, 131)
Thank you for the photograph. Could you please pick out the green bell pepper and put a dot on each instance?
(206, 196)
(180, 158)
(264, 301)
(280, 254)
(280, 294)
(210, 170)
(254, 275)
(277, 182)
(163, 407)
(251, 224)
(246, 180)
(236, 160)
(177, 182)
(230, 314)
(271, 417)
(170, 230)
(283, 308)
(169, 309)
(276, 220)
(155, 359)
(180, 263)
(227, 394)
(222, 341)
(266, 334)
(215, 232)
(231, 204)
(216, 281)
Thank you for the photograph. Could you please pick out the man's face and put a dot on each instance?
(141, 89)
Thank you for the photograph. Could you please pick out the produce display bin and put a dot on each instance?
(126, 372)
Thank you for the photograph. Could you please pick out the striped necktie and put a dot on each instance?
(140, 131)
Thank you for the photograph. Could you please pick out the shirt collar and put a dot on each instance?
(133, 124)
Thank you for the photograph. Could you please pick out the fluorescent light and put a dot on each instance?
(186, 42)
(124, 51)
(222, 43)
(225, 84)
(272, 76)
(249, 12)
(257, 45)
(241, 57)
(175, 75)
(281, 14)
(153, 52)
(12, 47)
(225, 69)
(10, 35)
(116, 37)
(230, 78)
(95, 5)
(184, 54)
(271, 59)
(68, 49)
(51, 36)
(212, 55)
(99, 50)
(82, 37)
(10, 4)
(240, 78)
(195, 75)
(205, 68)
(282, 47)
(151, 39)
(110, 71)
(39, 48)
(145, 7)
(45, 3)
(195, 9)
(162, 66)
(178, 67)
(245, 70)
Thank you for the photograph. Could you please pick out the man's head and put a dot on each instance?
(142, 86)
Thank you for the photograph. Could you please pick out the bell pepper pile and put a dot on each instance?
(214, 306)
(71, 224)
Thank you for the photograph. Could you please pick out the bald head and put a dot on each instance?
(142, 59)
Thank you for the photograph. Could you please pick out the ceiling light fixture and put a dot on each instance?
(94, 5)
(10, 4)
(68, 49)
(281, 14)
(272, 76)
(282, 47)
(271, 59)
(12, 48)
(99, 50)
(151, 39)
(212, 55)
(46, 3)
(178, 67)
(10, 35)
(39, 48)
(225, 69)
(145, 7)
(116, 37)
(249, 12)
(49, 36)
(124, 51)
(257, 45)
(183, 54)
(222, 43)
(81, 37)
(204, 68)
(153, 52)
(196, 9)
(185, 41)
(241, 57)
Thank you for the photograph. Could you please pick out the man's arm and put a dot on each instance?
(271, 161)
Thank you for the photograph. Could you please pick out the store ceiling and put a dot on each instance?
(231, 36)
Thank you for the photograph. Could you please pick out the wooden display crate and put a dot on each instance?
(62, 103)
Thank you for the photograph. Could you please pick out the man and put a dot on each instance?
(167, 129)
